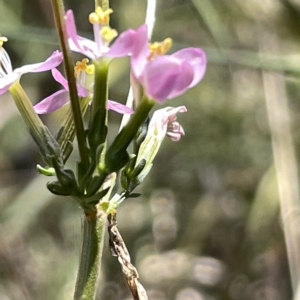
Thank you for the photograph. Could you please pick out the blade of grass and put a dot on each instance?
(285, 160)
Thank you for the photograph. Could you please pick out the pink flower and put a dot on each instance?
(165, 76)
(61, 98)
(99, 47)
(8, 76)
(162, 76)
(163, 123)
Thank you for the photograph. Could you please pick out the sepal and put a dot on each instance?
(115, 159)
(95, 199)
(142, 132)
(97, 132)
(56, 188)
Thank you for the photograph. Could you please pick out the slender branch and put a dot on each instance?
(93, 231)
(58, 11)
(119, 249)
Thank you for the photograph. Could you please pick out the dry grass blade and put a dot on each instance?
(119, 249)
(284, 158)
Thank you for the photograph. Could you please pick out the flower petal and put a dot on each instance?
(76, 42)
(130, 42)
(140, 51)
(166, 77)
(160, 125)
(118, 107)
(60, 78)
(82, 92)
(196, 58)
(51, 62)
(7, 81)
(52, 103)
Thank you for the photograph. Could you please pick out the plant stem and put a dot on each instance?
(93, 230)
(58, 11)
(100, 89)
(127, 134)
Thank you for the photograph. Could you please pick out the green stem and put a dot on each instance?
(59, 12)
(116, 155)
(128, 133)
(93, 230)
(100, 89)
(98, 118)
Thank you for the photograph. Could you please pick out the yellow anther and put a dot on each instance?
(2, 40)
(99, 16)
(108, 34)
(82, 66)
(158, 49)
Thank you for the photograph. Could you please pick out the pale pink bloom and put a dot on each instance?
(8, 76)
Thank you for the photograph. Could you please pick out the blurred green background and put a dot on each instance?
(207, 225)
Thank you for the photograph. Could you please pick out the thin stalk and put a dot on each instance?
(93, 231)
(127, 134)
(100, 88)
(59, 12)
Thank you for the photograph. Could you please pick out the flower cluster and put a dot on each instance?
(155, 77)
(161, 76)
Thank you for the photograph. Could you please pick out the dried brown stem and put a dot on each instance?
(119, 249)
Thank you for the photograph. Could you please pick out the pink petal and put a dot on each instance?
(52, 103)
(130, 42)
(196, 58)
(140, 51)
(163, 123)
(76, 42)
(51, 62)
(60, 78)
(82, 92)
(166, 77)
(118, 107)
(7, 81)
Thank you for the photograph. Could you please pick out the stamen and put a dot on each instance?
(108, 34)
(99, 16)
(159, 48)
(82, 66)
